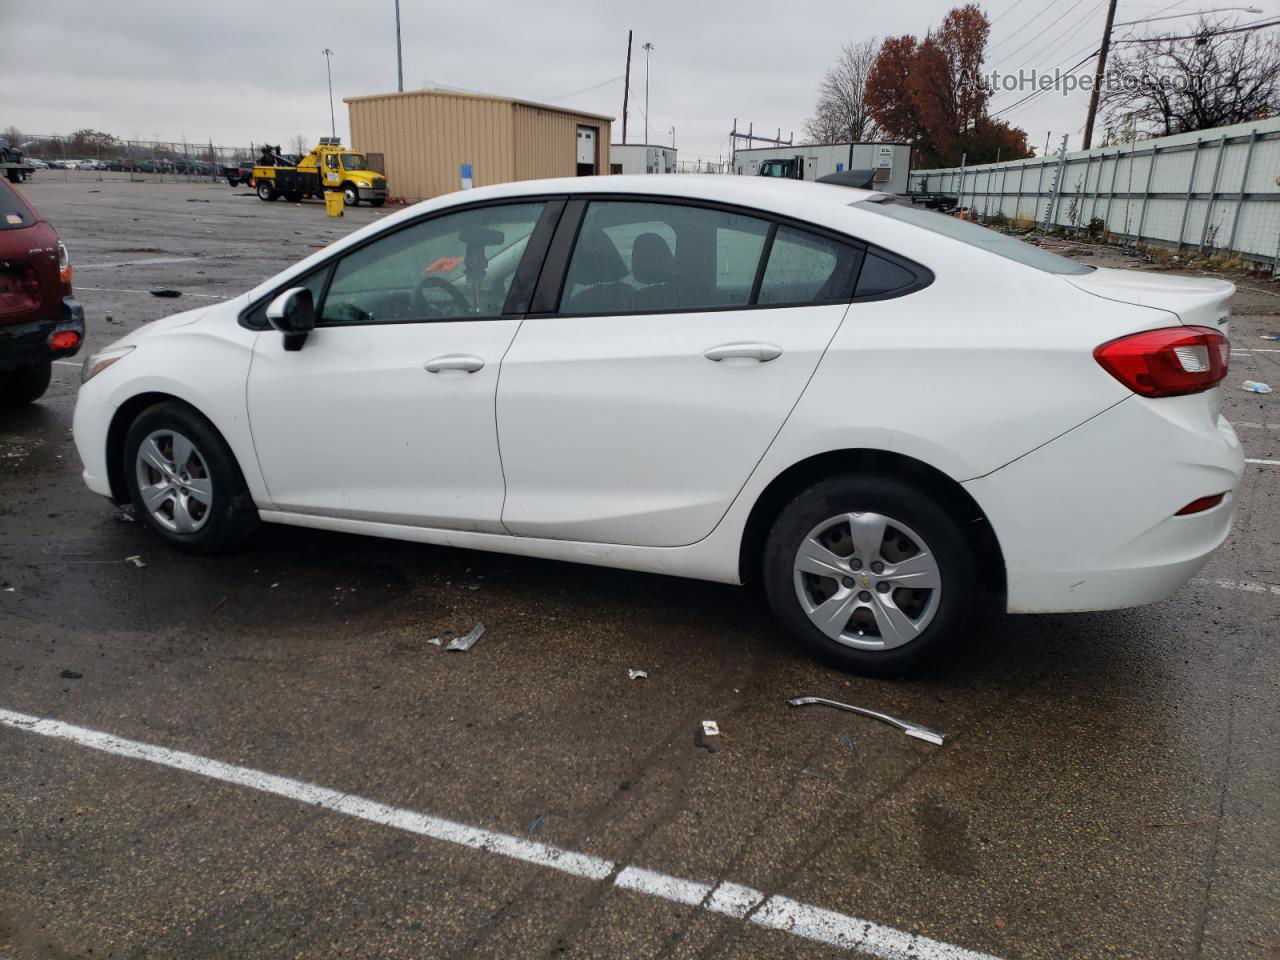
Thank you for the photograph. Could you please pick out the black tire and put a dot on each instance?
(953, 608)
(266, 191)
(25, 385)
(230, 516)
(293, 196)
(350, 195)
(377, 203)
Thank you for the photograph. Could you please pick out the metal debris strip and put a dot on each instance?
(467, 642)
(638, 674)
(710, 728)
(435, 641)
(135, 560)
(910, 729)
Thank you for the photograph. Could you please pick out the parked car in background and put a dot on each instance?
(37, 163)
(238, 173)
(40, 321)
(880, 414)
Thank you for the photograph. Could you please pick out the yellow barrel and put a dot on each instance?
(333, 202)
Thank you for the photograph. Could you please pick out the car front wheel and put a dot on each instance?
(350, 196)
(184, 481)
(872, 575)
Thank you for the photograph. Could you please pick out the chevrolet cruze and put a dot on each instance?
(878, 414)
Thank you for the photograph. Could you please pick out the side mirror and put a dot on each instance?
(293, 313)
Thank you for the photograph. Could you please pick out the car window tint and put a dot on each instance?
(880, 276)
(452, 267)
(804, 268)
(633, 257)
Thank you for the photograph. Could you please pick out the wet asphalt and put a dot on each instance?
(1109, 787)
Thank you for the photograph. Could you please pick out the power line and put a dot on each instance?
(1258, 25)
(1006, 13)
(1039, 93)
(1047, 27)
(597, 86)
(1058, 43)
(1034, 18)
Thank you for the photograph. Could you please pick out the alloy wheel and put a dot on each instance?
(867, 580)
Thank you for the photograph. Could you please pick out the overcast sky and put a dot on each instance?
(235, 73)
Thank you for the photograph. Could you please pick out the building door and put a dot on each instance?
(586, 151)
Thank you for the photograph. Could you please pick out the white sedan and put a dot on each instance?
(879, 414)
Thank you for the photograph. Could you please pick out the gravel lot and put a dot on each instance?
(1109, 787)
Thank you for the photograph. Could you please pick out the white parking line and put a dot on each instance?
(69, 363)
(1269, 463)
(1243, 585)
(727, 899)
(1255, 426)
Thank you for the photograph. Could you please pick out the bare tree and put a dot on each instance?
(841, 113)
(1178, 83)
(299, 144)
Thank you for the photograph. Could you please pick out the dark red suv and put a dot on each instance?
(39, 319)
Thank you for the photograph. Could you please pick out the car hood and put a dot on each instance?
(1202, 301)
(172, 322)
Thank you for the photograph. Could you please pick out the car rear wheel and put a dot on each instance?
(872, 575)
(25, 385)
(266, 191)
(184, 481)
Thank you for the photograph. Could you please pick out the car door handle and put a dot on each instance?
(463, 362)
(761, 352)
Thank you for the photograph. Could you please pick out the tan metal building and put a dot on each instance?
(425, 137)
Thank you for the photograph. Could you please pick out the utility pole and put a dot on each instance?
(1097, 76)
(673, 138)
(399, 57)
(626, 89)
(648, 48)
(333, 127)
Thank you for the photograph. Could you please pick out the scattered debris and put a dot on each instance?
(910, 729)
(435, 641)
(638, 674)
(1271, 336)
(217, 606)
(537, 822)
(135, 560)
(1155, 824)
(467, 642)
(166, 292)
(70, 675)
(849, 744)
(1000, 923)
(126, 513)
(1253, 386)
(196, 200)
(711, 728)
(700, 740)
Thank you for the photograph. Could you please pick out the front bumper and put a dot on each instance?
(1087, 522)
(372, 193)
(28, 343)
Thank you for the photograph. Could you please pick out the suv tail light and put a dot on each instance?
(64, 267)
(1169, 362)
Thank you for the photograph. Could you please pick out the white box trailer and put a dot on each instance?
(641, 158)
(890, 163)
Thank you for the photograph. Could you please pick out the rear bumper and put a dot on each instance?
(1087, 522)
(25, 344)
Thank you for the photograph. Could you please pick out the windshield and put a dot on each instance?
(1002, 245)
(354, 161)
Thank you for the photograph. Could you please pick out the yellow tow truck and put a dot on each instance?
(328, 167)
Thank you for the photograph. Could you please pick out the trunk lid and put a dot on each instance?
(1197, 301)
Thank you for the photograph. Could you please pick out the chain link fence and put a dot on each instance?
(105, 158)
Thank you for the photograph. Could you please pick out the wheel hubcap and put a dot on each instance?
(174, 482)
(867, 580)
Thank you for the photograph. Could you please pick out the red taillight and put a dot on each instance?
(1199, 506)
(1169, 362)
(64, 340)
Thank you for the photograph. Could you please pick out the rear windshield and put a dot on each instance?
(14, 214)
(1002, 245)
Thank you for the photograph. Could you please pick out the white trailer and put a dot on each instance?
(890, 163)
(641, 158)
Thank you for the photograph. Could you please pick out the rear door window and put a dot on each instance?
(805, 268)
(638, 257)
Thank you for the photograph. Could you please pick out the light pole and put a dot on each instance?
(333, 127)
(399, 58)
(647, 47)
(673, 138)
